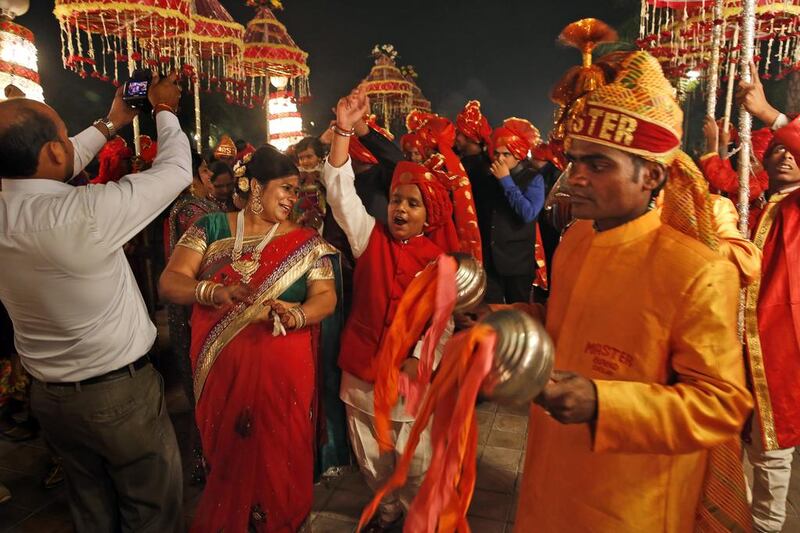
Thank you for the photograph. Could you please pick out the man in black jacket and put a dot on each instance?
(508, 202)
(473, 135)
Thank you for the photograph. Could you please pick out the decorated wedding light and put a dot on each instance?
(217, 53)
(18, 56)
(269, 50)
(389, 92)
(418, 100)
(285, 121)
(104, 39)
(680, 33)
(101, 39)
(271, 57)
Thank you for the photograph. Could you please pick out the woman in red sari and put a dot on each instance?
(261, 287)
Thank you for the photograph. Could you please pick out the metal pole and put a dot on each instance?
(131, 68)
(198, 124)
(726, 118)
(266, 114)
(745, 119)
(713, 71)
(745, 129)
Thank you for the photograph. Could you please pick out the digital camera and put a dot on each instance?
(134, 91)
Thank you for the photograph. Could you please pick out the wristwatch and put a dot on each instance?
(112, 130)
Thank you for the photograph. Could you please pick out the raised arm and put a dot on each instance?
(526, 204)
(123, 209)
(339, 179)
(88, 143)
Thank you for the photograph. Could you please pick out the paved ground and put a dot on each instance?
(337, 505)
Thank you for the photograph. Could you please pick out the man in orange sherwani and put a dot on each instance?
(650, 385)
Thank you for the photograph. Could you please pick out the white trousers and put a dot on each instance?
(377, 467)
(772, 472)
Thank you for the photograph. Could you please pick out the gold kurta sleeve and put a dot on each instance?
(708, 401)
(321, 271)
(744, 255)
(194, 239)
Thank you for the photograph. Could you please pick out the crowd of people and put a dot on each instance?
(284, 272)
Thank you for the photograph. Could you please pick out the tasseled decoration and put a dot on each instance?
(429, 298)
(584, 35)
(443, 499)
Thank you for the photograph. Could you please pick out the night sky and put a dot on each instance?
(502, 53)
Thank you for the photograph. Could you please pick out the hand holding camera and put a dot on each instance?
(147, 90)
(165, 92)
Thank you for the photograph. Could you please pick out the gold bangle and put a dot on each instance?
(204, 292)
(198, 291)
(211, 294)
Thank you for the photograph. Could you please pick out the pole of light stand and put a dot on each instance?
(726, 119)
(198, 124)
(131, 68)
(266, 114)
(745, 119)
(713, 68)
(745, 129)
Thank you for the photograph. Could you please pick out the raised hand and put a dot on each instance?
(499, 169)
(165, 91)
(121, 114)
(351, 108)
(751, 96)
(711, 132)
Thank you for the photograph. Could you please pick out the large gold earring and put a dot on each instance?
(255, 203)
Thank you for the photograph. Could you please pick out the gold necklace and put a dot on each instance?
(247, 267)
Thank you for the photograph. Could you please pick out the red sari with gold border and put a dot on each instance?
(256, 393)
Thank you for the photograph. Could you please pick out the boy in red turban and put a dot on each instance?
(388, 257)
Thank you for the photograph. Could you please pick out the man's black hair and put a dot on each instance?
(22, 139)
(638, 164)
(310, 142)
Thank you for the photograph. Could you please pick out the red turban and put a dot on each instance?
(409, 141)
(416, 119)
(438, 206)
(473, 125)
(760, 140)
(248, 149)
(545, 152)
(788, 136)
(112, 158)
(518, 135)
(438, 132)
(148, 149)
(360, 153)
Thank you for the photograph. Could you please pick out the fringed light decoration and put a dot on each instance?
(680, 34)
(18, 56)
(269, 50)
(99, 39)
(390, 93)
(218, 47)
(418, 100)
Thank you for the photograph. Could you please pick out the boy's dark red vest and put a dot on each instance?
(381, 276)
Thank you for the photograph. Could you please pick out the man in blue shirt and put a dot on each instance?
(507, 218)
